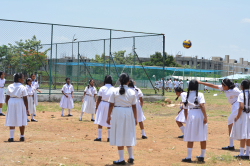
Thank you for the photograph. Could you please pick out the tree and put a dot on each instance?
(157, 60)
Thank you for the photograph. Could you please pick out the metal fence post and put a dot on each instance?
(78, 66)
(134, 55)
(110, 35)
(37, 58)
(5, 60)
(50, 62)
(163, 65)
(20, 59)
(55, 67)
(104, 69)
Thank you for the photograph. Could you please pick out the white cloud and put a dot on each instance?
(246, 20)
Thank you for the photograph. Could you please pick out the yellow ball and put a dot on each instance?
(187, 44)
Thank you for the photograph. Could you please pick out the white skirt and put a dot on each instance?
(241, 128)
(234, 113)
(140, 116)
(16, 113)
(195, 129)
(31, 106)
(122, 131)
(181, 117)
(88, 105)
(67, 103)
(2, 95)
(36, 98)
(102, 114)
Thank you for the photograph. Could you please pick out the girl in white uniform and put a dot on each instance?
(123, 119)
(2, 82)
(181, 84)
(36, 86)
(17, 104)
(180, 118)
(170, 84)
(139, 104)
(102, 106)
(89, 100)
(232, 93)
(157, 85)
(196, 120)
(241, 125)
(67, 98)
(31, 102)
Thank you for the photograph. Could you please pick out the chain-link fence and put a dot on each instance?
(56, 51)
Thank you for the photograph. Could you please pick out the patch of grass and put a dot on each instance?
(228, 158)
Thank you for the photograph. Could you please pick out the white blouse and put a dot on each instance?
(67, 88)
(126, 100)
(16, 90)
(30, 90)
(231, 94)
(2, 82)
(191, 99)
(105, 92)
(90, 91)
(35, 84)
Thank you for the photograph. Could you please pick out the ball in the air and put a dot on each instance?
(187, 44)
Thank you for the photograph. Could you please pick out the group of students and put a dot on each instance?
(169, 84)
(193, 114)
(118, 109)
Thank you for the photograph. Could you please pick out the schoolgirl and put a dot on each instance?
(31, 102)
(241, 125)
(181, 84)
(2, 82)
(232, 93)
(180, 118)
(102, 106)
(187, 84)
(139, 104)
(124, 119)
(167, 85)
(196, 120)
(67, 98)
(36, 86)
(17, 106)
(89, 100)
(161, 83)
(205, 89)
(157, 85)
(170, 84)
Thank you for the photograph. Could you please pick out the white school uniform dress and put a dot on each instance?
(67, 103)
(187, 84)
(16, 110)
(123, 131)
(232, 97)
(103, 108)
(2, 82)
(181, 84)
(236, 85)
(31, 105)
(177, 83)
(157, 84)
(88, 105)
(160, 83)
(170, 84)
(241, 128)
(181, 116)
(195, 129)
(35, 85)
(138, 94)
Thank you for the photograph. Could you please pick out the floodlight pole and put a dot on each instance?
(163, 73)
(50, 62)
(72, 45)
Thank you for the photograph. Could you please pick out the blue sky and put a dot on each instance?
(216, 27)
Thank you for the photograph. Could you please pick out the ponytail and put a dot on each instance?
(124, 78)
(196, 99)
(245, 86)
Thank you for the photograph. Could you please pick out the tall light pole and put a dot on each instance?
(74, 39)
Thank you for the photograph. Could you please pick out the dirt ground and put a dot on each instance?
(56, 140)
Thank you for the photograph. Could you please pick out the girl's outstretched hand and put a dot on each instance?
(205, 121)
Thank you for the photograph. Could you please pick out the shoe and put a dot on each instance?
(245, 157)
(34, 114)
(130, 161)
(181, 136)
(28, 120)
(80, 119)
(108, 140)
(228, 148)
(22, 139)
(33, 120)
(28, 114)
(11, 140)
(201, 159)
(61, 115)
(119, 162)
(186, 160)
(70, 115)
(239, 157)
(98, 139)
(1, 114)
(144, 137)
(92, 120)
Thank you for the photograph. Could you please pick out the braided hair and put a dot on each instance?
(108, 80)
(178, 89)
(193, 85)
(123, 78)
(228, 83)
(131, 84)
(16, 76)
(89, 82)
(245, 86)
